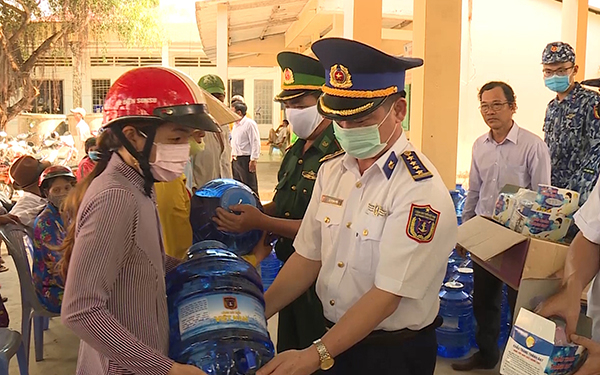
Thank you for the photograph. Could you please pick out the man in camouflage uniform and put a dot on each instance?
(302, 321)
(572, 124)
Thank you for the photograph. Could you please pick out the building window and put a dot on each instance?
(100, 88)
(236, 87)
(263, 101)
(50, 99)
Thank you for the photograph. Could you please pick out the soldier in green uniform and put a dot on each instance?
(301, 322)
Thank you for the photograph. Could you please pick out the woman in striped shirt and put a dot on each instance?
(115, 298)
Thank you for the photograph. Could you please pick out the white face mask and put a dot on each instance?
(304, 121)
(170, 161)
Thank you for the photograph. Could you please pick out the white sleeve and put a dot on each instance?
(417, 237)
(254, 141)
(308, 239)
(588, 216)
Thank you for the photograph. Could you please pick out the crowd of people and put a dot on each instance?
(365, 221)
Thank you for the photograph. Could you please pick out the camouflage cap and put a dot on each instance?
(558, 52)
(212, 83)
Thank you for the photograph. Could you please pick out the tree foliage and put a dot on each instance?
(30, 29)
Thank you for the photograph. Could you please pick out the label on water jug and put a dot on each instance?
(221, 311)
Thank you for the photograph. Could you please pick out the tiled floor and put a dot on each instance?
(61, 346)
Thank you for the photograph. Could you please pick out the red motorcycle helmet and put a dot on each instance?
(54, 172)
(149, 97)
(157, 95)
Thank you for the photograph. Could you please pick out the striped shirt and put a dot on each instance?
(115, 297)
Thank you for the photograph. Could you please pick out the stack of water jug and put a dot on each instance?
(456, 336)
(215, 298)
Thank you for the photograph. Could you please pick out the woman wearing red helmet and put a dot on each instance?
(48, 232)
(115, 298)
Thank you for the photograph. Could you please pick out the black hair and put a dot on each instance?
(89, 143)
(509, 94)
(239, 106)
(286, 122)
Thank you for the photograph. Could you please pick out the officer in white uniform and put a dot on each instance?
(583, 265)
(377, 233)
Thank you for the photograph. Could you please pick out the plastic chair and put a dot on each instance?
(11, 344)
(18, 240)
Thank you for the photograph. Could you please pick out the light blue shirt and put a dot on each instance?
(522, 159)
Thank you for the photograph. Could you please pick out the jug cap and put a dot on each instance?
(454, 285)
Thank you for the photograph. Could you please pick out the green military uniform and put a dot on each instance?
(301, 322)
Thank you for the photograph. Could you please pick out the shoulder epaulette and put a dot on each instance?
(332, 156)
(415, 166)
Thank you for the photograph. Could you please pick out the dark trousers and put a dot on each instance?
(414, 356)
(301, 322)
(487, 301)
(241, 172)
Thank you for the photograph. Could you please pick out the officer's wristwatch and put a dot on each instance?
(326, 359)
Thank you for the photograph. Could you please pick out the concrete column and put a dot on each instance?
(363, 21)
(222, 42)
(436, 86)
(574, 30)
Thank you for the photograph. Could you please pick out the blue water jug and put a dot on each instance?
(222, 193)
(505, 319)
(216, 313)
(456, 308)
(459, 196)
(454, 261)
(464, 275)
(467, 263)
(269, 268)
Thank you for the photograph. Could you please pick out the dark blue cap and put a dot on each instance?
(358, 77)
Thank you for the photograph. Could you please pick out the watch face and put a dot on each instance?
(327, 364)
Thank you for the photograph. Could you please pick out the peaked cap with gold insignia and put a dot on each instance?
(301, 74)
(358, 77)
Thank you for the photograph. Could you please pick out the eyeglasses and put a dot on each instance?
(559, 72)
(485, 108)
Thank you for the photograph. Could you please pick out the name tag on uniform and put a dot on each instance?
(331, 200)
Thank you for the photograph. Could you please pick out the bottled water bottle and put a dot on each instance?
(454, 336)
(459, 196)
(216, 313)
(453, 263)
(464, 276)
(269, 268)
(222, 193)
(505, 320)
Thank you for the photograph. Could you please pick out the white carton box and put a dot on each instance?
(531, 349)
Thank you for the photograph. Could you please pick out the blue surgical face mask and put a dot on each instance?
(95, 155)
(558, 83)
(364, 142)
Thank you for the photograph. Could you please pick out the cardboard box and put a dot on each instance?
(510, 256)
(532, 349)
(531, 266)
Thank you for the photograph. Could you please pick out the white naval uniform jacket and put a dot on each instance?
(392, 228)
(588, 221)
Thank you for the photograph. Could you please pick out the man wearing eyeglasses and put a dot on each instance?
(572, 124)
(507, 154)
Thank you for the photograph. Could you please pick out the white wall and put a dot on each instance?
(248, 74)
(505, 43)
